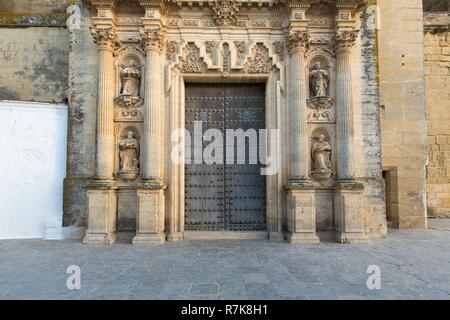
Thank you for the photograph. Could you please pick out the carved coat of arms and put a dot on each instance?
(225, 12)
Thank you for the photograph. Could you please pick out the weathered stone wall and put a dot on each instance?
(82, 92)
(437, 80)
(403, 110)
(33, 50)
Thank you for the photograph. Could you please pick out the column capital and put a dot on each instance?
(298, 40)
(345, 39)
(152, 39)
(105, 38)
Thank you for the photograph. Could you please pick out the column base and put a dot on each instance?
(98, 239)
(348, 213)
(102, 207)
(301, 214)
(351, 238)
(175, 236)
(149, 239)
(277, 236)
(303, 238)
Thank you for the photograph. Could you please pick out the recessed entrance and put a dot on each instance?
(225, 196)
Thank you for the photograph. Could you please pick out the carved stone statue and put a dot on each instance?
(131, 79)
(321, 156)
(129, 153)
(319, 79)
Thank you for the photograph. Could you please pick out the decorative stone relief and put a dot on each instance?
(152, 38)
(240, 46)
(298, 39)
(104, 38)
(173, 23)
(276, 24)
(320, 109)
(129, 157)
(192, 62)
(171, 47)
(321, 158)
(344, 40)
(210, 45)
(225, 12)
(278, 47)
(190, 23)
(259, 62)
(259, 23)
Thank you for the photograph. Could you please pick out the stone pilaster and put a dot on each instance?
(348, 197)
(150, 219)
(101, 194)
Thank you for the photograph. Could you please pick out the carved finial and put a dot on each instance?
(152, 39)
(225, 12)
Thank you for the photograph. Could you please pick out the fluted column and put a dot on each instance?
(150, 224)
(152, 40)
(104, 160)
(298, 127)
(344, 106)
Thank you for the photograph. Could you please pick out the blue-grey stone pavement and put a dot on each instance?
(414, 264)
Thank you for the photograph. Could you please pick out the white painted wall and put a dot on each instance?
(32, 168)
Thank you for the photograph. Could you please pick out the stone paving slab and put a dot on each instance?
(414, 264)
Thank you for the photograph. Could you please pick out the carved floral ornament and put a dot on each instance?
(152, 38)
(106, 38)
(298, 40)
(344, 40)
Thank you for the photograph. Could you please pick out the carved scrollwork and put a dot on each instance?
(192, 62)
(104, 38)
(225, 12)
(298, 40)
(152, 39)
(240, 46)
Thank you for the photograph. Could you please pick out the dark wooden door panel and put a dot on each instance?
(225, 196)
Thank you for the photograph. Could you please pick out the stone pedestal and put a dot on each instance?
(302, 216)
(348, 222)
(102, 203)
(150, 217)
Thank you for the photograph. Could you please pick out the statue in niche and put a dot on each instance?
(319, 79)
(131, 80)
(321, 156)
(129, 153)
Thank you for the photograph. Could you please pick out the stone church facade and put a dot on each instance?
(339, 83)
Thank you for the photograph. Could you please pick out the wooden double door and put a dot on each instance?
(225, 196)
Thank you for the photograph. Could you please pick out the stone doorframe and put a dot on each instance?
(175, 107)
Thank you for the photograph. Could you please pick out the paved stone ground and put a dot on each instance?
(414, 264)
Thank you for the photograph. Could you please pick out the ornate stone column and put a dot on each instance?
(101, 192)
(150, 220)
(348, 196)
(301, 199)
